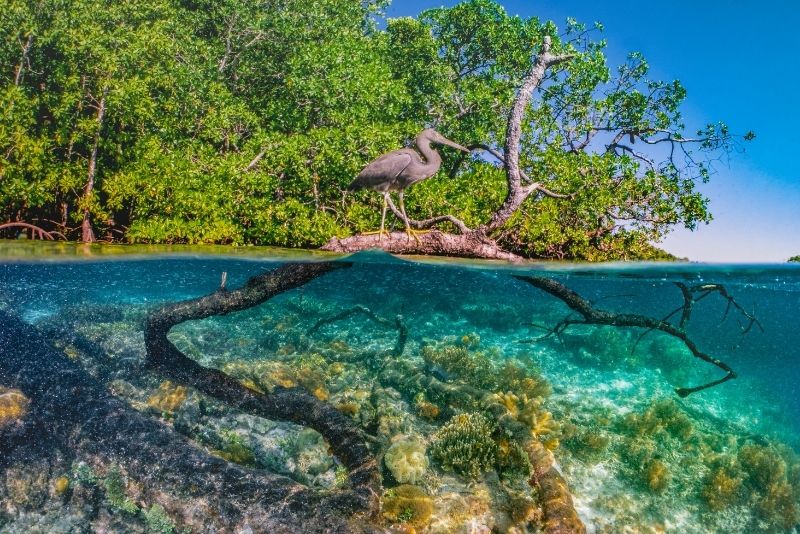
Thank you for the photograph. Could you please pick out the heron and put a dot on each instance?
(400, 169)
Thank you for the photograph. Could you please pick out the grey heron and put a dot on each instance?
(399, 169)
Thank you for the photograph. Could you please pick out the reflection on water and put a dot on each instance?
(481, 381)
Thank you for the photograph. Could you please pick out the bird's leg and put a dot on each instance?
(383, 219)
(409, 231)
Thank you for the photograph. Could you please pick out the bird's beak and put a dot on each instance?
(448, 142)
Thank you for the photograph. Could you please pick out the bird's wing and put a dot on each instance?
(382, 171)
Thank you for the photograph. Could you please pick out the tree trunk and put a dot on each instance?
(87, 233)
(469, 245)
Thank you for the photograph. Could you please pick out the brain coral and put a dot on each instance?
(406, 460)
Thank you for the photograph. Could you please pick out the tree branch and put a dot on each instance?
(516, 193)
(429, 223)
(293, 404)
(591, 315)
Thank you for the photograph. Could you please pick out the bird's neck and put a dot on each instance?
(431, 156)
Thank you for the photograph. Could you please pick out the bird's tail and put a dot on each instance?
(355, 185)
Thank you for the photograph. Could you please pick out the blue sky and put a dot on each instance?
(740, 63)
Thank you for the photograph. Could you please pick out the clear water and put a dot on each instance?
(637, 457)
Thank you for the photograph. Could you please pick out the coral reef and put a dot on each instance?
(465, 445)
(407, 461)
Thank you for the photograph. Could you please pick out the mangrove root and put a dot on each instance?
(293, 404)
(72, 410)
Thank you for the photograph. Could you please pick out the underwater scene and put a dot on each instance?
(218, 393)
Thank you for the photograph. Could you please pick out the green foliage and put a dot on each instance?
(795, 259)
(242, 122)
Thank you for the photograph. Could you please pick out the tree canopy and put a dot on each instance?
(238, 122)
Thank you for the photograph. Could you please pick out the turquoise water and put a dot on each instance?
(636, 456)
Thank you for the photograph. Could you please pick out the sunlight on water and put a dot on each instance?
(598, 400)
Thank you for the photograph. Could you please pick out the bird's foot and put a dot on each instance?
(416, 233)
(380, 234)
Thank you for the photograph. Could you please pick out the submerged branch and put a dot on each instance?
(71, 410)
(589, 315)
(398, 324)
(293, 404)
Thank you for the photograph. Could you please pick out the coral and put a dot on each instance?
(722, 488)
(663, 416)
(234, 449)
(406, 460)
(465, 445)
(478, 370)
(337, 368)
(512, 460)
(13, 405)
(470, 340)
(530, 413)
(309, 371)
(656, 475)
(514, 376)
(84, 474)
(428, 410)
(340, 477)
(523, 509)
(474, 368)
(763, 466)
(407, 504)
(637, 452)
(766, 476)
(778, 507)
(349, 408)
(539, 421)
(168, 398)
(588, 443)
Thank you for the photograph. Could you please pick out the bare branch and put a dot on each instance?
(254, 162)
(398, 324)
(429, 223)
(594, 316)
(516, 193)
